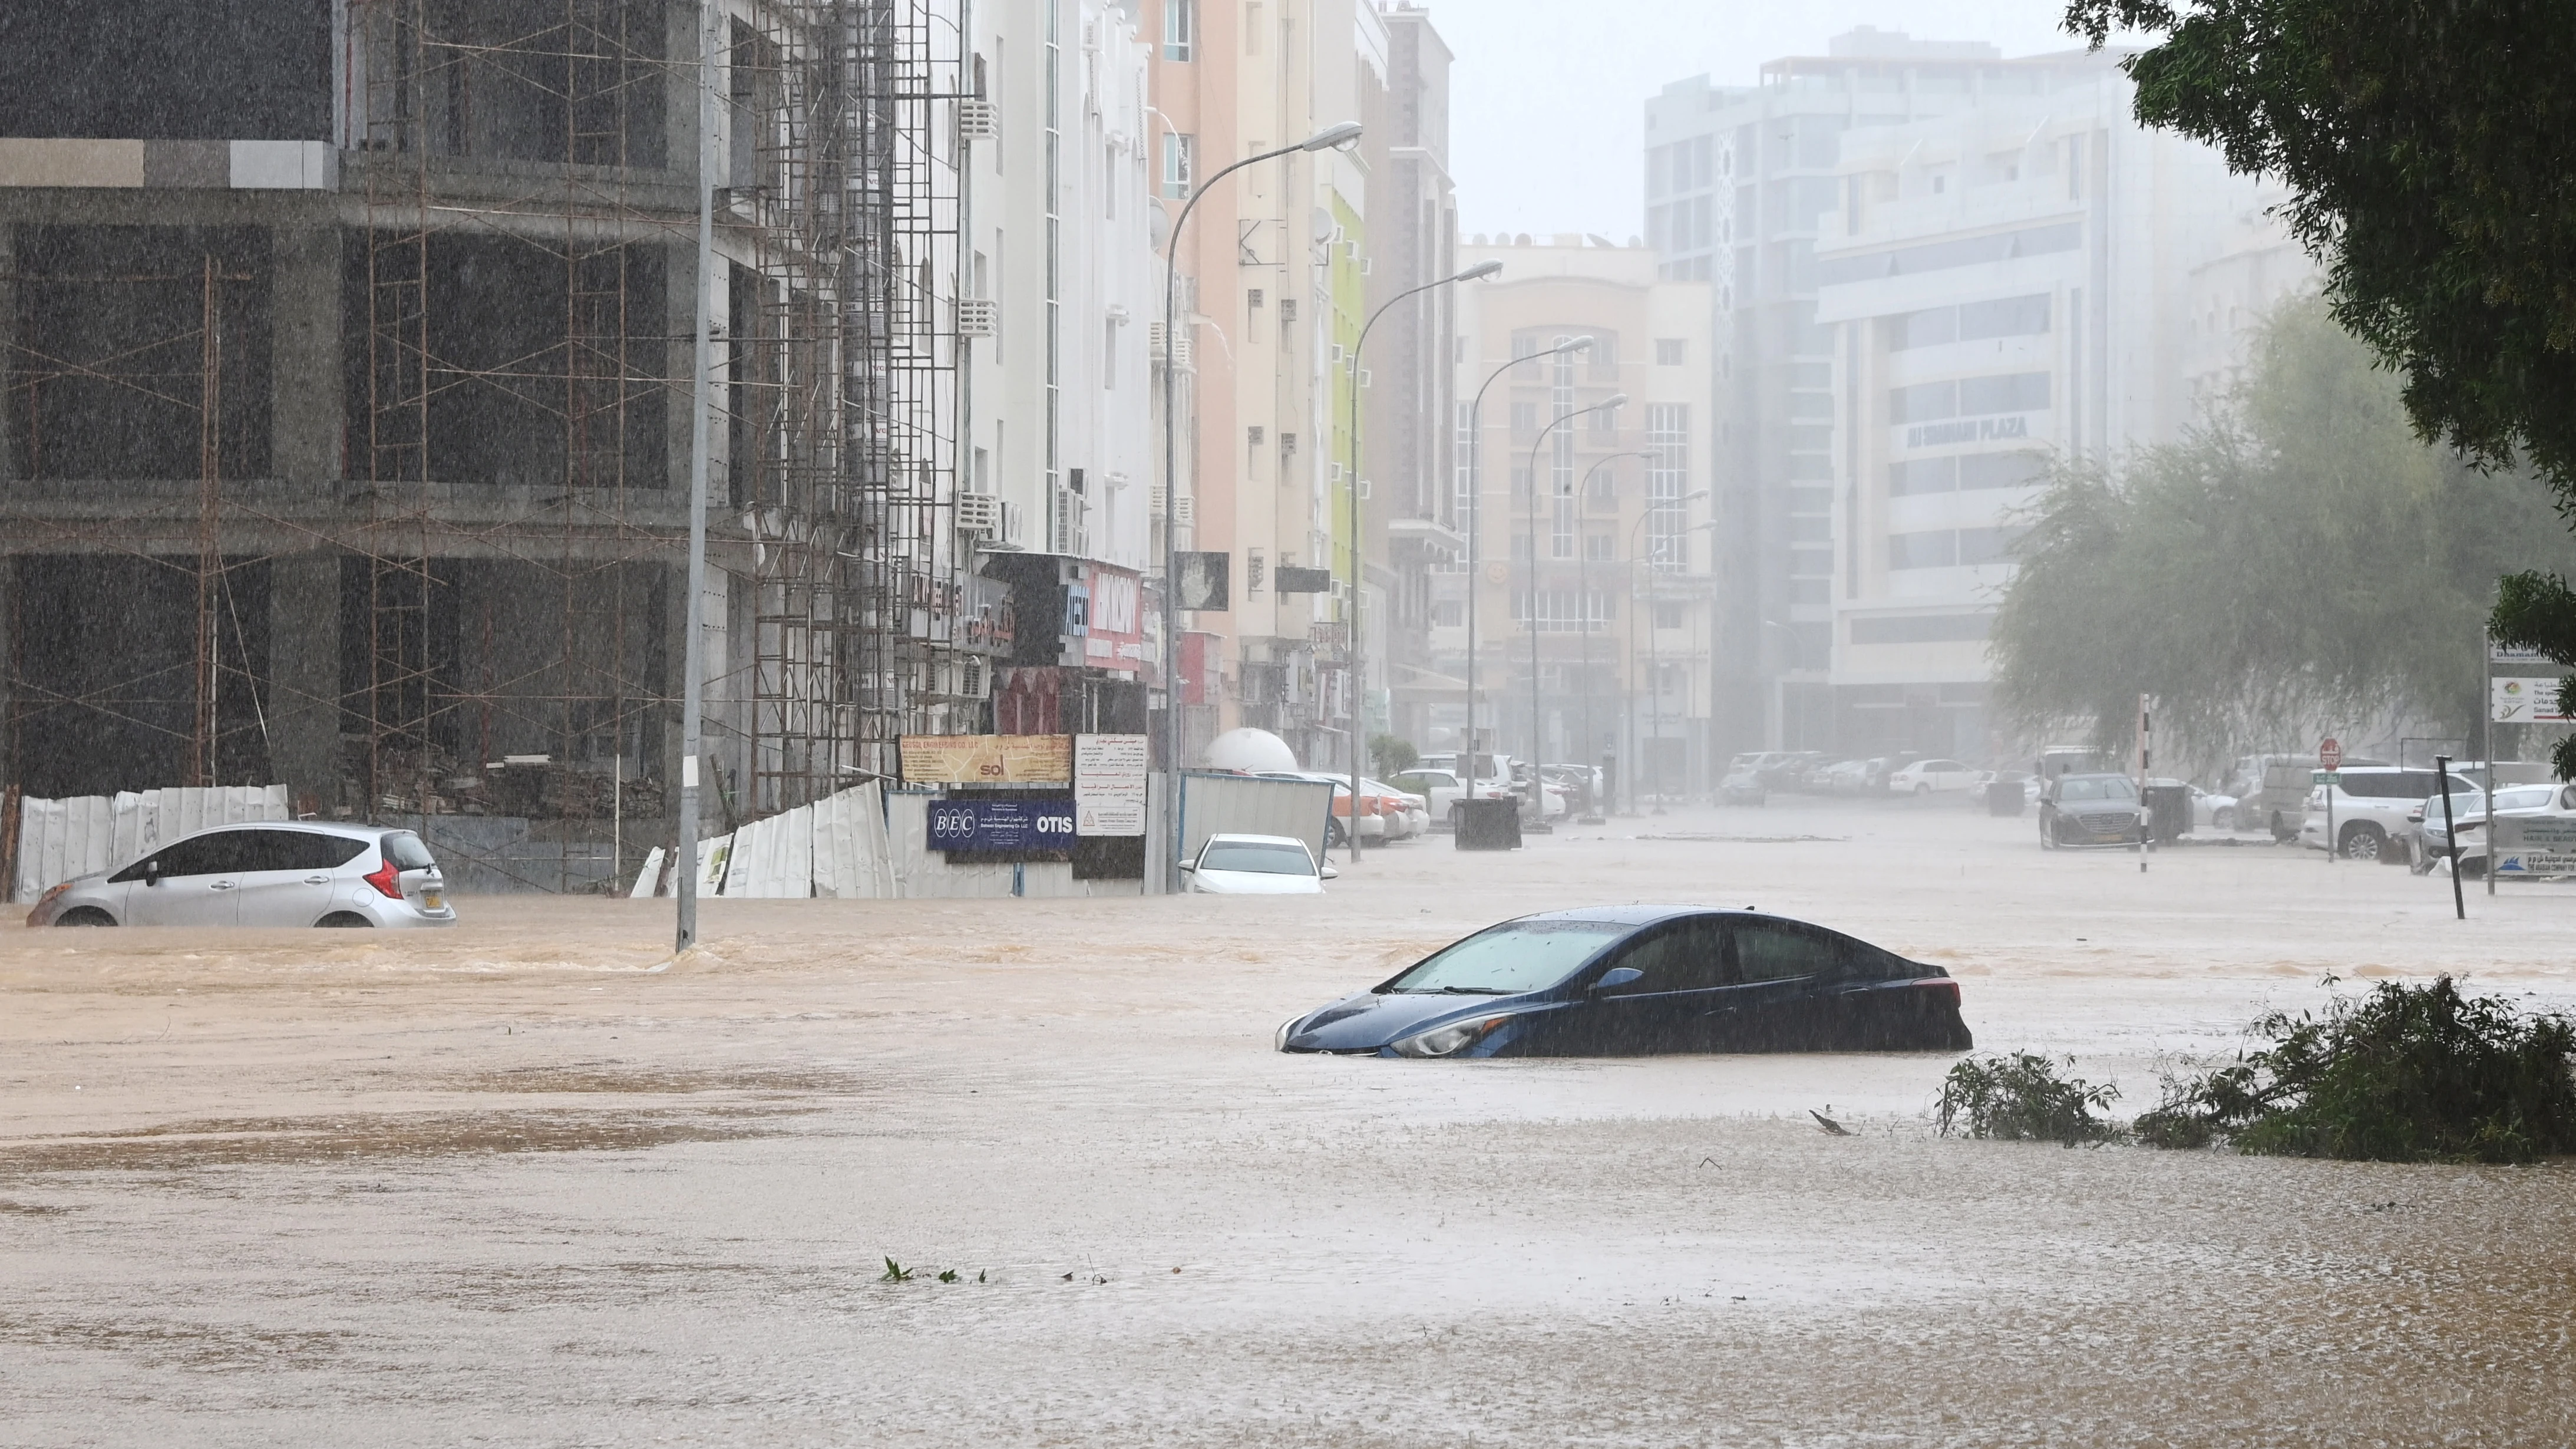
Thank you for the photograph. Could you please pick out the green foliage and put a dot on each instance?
(2302, 560)
(947, 1275)
(1393, 753)
(895, 1273)
(2405, 1074)
(2425, 148)
(2022, 1098)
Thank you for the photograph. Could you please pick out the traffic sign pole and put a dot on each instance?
(2330, 759)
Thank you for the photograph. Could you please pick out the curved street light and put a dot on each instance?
(1538, 746)
(1654, 662)
(1583, 585)
(1359, 581)
(1169, 868)
(1475, 517)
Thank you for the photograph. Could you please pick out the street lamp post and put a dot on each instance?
(1654, 661)
(1359, 656)
(1475, 518)
(1538, 745)
(1583, 583)
(1169, 867)
(693, 665)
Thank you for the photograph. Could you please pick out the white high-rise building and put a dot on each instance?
(2030, 278)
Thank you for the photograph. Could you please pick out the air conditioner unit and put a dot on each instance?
(977, 120)
(1185, 511)
(979, 513)
(977, 316)
(974, 679)
(1154, 344)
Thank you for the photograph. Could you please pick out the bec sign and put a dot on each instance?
(1039, 829)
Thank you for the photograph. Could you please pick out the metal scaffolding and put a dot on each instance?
(506, 520)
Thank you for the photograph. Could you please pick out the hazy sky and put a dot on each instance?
(1547, 104)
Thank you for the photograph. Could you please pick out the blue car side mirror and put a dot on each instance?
(1618, 976)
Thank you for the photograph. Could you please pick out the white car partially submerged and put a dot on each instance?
(1256, 865)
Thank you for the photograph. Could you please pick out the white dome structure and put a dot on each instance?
(1249, 749)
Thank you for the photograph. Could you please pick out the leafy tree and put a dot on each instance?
(2427, 150)
(1394, 754)
(2300, 560)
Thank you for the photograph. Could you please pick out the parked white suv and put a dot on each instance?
(2371, 803)
(1925, 776)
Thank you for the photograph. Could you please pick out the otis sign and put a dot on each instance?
(1039, 829)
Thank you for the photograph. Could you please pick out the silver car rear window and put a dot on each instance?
(405, 850)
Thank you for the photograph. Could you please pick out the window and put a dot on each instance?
(1524, 422)
(1690, 957)
(1922, 475)
(1462, 462)
(1180, 28)
(1936, 550)
(1922, 629)
(1598, 547)
(2012, 392)
(299, 850)
(1765, 951)
(1667, 468)
(1970, 322)
(221, 853)
(1448, 614)
(1668, 616)
(1669, 351)
(1176, 165)
(2001, 470)
(1562, 610)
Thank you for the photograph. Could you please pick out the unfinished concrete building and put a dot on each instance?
(345, 350)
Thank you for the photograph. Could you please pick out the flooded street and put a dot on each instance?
(528, 1182)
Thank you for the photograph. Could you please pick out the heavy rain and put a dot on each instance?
(1285, 722)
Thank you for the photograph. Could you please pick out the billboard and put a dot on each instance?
(1109, 784)
(987, 759)
(2524, 700)
(1038, 829)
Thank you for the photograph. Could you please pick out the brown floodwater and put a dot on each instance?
(531, 1181)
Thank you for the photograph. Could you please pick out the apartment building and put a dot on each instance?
(1591, 590)
(2029, 279)
(1277, 276)
(1738, 183)
(1060, 383)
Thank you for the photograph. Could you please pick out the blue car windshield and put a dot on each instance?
(1511, 958)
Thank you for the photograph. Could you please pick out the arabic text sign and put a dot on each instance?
(1002, 827)
(2535, 845)
(2524, 700)
(1109, 784)
(987, 759)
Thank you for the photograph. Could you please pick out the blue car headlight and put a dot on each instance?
(1444, 1041)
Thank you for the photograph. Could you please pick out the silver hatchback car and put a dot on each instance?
(272, 874)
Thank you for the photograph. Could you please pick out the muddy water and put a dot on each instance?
(530, 1182)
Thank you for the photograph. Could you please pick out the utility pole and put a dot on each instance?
(693, 658)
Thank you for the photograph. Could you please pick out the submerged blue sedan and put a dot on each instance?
(1634, 980)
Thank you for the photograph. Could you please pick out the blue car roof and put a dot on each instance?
(1628, 915)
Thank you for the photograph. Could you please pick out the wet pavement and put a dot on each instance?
(530, 1182)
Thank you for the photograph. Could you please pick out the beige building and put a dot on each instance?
(1593, 595)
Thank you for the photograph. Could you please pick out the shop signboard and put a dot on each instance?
(2534, 844)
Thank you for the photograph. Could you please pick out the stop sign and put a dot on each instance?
(2330, 754)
